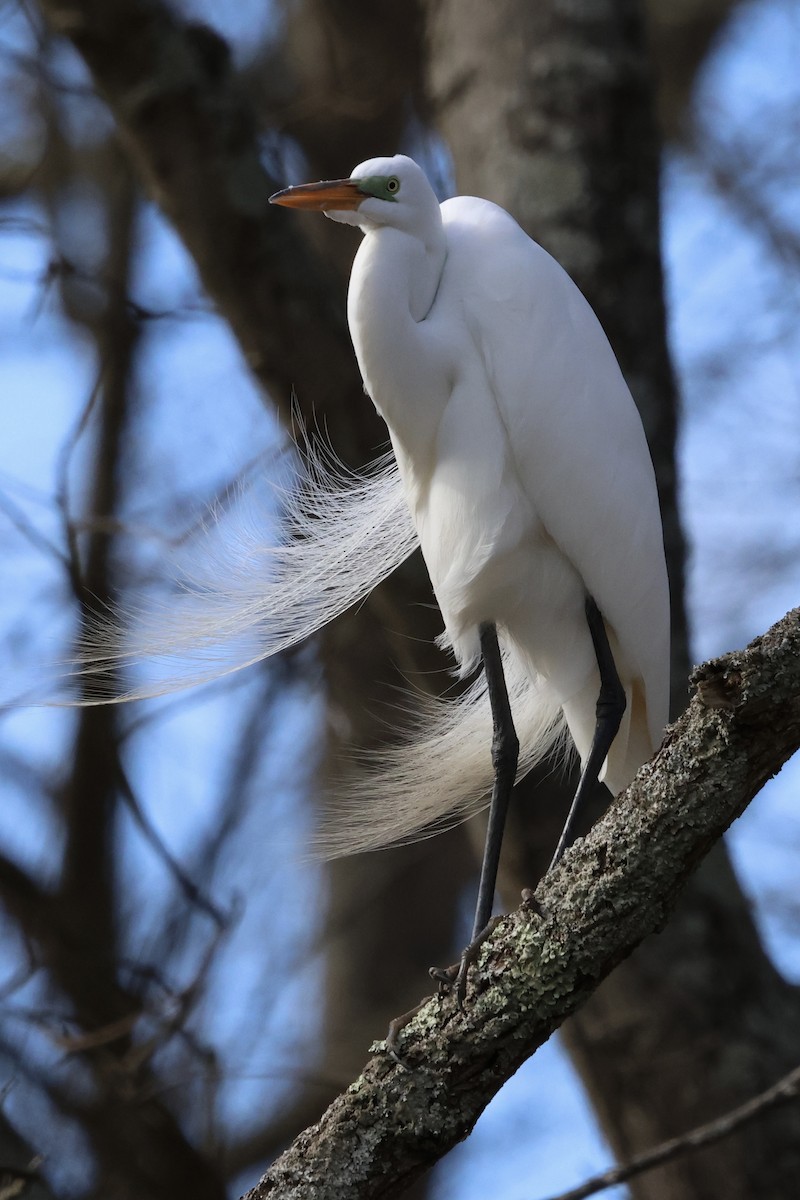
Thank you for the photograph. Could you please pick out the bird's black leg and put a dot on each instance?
(610, 708)
(505, 754)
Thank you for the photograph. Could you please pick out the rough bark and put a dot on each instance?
(545, 960)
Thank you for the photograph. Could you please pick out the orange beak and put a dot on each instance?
(328, 195)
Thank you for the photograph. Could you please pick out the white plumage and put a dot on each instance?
(522, 453)
(524, 467)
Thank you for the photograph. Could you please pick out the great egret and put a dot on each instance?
(521, 468)
(528, 478)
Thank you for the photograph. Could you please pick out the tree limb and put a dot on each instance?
(787, 1088)
(193, 138)
(545, 959)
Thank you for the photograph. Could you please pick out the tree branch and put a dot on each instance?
(787, 1088)
(545, 959)
(192, 136)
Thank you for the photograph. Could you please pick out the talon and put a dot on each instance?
(393, 1036)
(397, 1057)
(444, 976)
(530, 902)
(461, 979)
(457, 974)
(468, 958)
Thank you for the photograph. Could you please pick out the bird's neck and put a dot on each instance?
(392, 292)
(398, 272)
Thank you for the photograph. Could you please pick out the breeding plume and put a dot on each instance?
(520, 467)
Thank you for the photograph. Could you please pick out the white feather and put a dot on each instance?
(244, 599)
(522, 453)
(522, 471)
(441, 772)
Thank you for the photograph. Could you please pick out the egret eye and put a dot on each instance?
(393, 184)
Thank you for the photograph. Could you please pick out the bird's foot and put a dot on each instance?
(396, 1027)
(531, 904)
(449, 979)
(455, 976)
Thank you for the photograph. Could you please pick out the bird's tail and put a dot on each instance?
(441, 773)
(342, 533)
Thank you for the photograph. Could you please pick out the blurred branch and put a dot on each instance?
(547, 958)
(356, 78)
(13, 1173)
(787, 1088)
(19, 1167)
(139, 1145)
(730, 169)
(29, 905)
(191, 133)
(26, 528)
(682, 38)
(192, 892)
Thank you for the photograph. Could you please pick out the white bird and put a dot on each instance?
(520, 467)
(527, 475)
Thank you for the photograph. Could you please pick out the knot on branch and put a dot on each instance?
(718, 685)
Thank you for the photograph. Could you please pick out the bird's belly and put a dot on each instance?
(488, 553)
(490, 559)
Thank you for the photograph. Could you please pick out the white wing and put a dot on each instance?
(572, 430)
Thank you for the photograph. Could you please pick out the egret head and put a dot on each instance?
(382, 191)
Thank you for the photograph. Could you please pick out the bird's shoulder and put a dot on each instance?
(478, 227)
(490, 256)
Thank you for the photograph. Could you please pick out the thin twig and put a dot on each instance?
(14, 1180)
(787, 1088)
(30, 1172)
